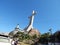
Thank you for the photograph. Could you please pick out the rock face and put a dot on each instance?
(14, 32)
(16, 29)
(33, 32)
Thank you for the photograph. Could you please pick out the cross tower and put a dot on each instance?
(30, 26)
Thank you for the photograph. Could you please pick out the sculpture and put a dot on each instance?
(30, 26)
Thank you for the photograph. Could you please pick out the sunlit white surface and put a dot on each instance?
(3, 43)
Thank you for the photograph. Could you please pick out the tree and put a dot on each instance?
(44, 38)
(22, 36)
(57, 36)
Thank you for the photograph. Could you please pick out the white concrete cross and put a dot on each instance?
(30, 26)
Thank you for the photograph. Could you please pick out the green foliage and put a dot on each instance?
(45, 35)
(22, 36)
(44, 38)
(34, 37)
(57, 36)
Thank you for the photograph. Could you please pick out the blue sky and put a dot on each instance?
(13, 12)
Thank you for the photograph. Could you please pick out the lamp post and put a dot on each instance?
(50, 34)
(50, 31)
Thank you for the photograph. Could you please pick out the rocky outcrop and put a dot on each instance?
(33, 32)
